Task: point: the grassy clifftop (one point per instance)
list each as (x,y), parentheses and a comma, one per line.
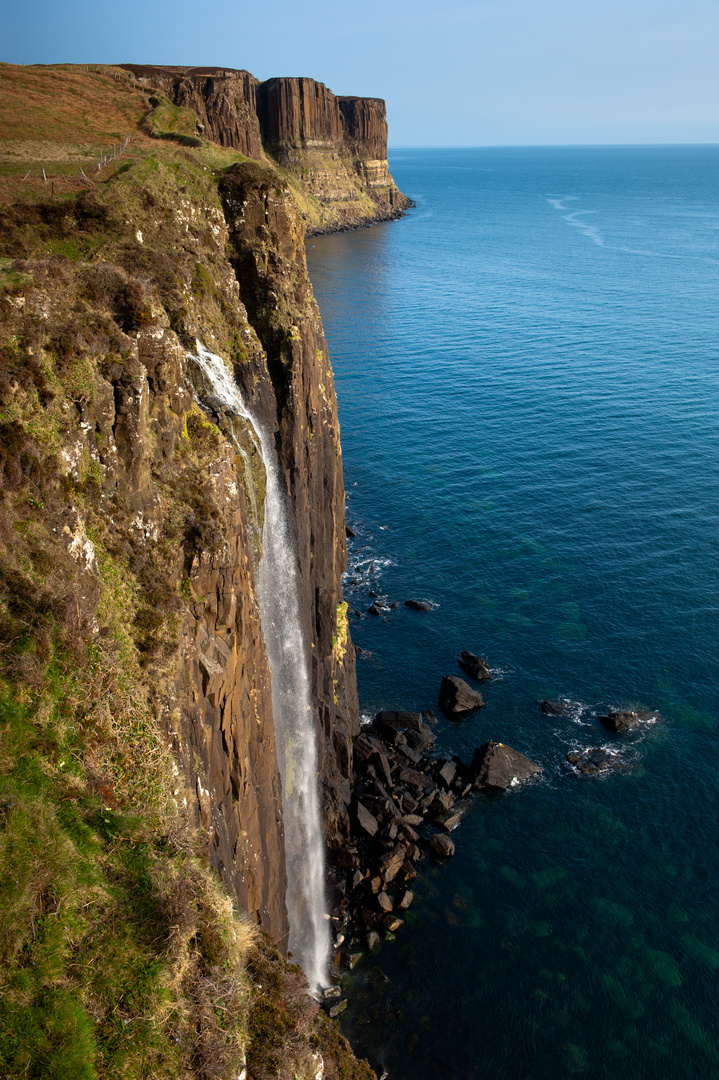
(121,954)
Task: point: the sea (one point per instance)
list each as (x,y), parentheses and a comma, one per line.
(527,368)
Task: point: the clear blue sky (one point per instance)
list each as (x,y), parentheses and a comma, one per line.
(500,72)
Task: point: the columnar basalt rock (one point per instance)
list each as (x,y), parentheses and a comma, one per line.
(225,101)
(334,148)
(268,254)
(299,113)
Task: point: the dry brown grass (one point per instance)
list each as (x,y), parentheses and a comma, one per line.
(67,105)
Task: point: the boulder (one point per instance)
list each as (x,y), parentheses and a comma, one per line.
(405,900)
(366,820)
(412,756)
(447,772)
(442,846)
(413,778)
(419,735)
(623,721)
(418,605)
(397,719)
(445,800)
(558,707)
(391,864)
(374,943)
(384,901)
(392,923)
(476,667)
(498,766)
(457,698)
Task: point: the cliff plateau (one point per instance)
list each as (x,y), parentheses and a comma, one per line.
(137,735)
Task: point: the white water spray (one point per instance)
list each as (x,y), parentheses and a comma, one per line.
(294,721)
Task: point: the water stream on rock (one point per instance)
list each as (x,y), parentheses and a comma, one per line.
(291,702)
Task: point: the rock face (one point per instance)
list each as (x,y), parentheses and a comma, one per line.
(225,101)
(495,765)
(298,400)
(457,698)
(335,148)
(176,507)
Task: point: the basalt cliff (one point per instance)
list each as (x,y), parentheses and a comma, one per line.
(333,150)
(151,217)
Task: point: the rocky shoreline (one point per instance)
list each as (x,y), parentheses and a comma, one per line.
(407,801)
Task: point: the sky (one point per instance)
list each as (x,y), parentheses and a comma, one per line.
(494,73)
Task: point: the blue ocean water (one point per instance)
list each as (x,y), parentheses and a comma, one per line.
(527,368)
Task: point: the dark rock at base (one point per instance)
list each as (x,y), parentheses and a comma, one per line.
(419,735)
(405,900)
(366,820)
(442,846)
(474,666)
(350,533)
(447,772)
(374,943)
(592,761)
(418,605)
(558,707)
(450,822)
(457,698)
(445,801)
(391,864)
(498,766)
(373,609)
(396,719)
(413,778)
(392,923)
(624,721)
(409,754)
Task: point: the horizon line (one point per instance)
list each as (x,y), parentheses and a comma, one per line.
(547,146)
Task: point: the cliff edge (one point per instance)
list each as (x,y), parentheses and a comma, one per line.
(137,737)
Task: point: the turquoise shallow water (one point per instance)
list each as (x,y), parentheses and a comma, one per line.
(527,368)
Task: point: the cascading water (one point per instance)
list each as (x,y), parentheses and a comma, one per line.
(294,721)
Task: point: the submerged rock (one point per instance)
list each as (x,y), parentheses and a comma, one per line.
(442,846)
(593,760)
(622,721)
(418,605)
(557,707)
(456,697)
(498,766)
(476,667)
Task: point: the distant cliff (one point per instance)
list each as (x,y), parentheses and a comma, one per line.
(334,149)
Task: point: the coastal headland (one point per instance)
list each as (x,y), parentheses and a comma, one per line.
(152,218)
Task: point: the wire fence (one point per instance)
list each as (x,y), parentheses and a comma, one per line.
(104,158)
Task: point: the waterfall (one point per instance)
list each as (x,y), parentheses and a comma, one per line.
(295,728)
